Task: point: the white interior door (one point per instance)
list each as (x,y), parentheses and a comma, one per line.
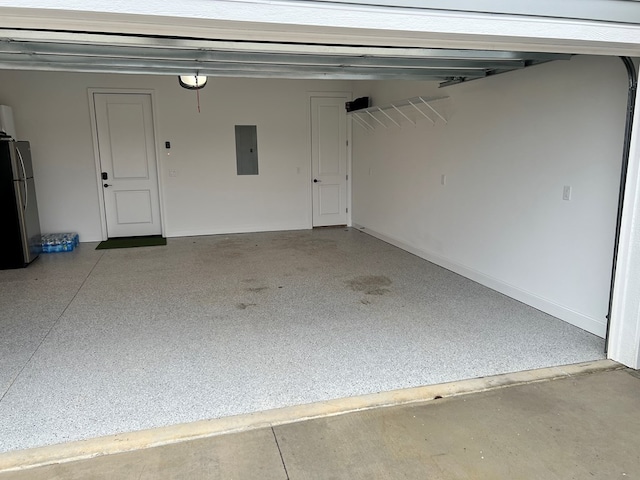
(329,160)
(126,146)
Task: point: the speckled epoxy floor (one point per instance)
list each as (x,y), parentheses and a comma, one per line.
(101,342)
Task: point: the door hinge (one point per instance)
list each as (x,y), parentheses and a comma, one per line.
(347,210)
(347,143)
(347,177)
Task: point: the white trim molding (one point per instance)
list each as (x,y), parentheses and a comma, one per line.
(328,23)
(624,333)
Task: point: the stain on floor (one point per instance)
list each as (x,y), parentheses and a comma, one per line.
(370,284)
(256,289)
(244,306)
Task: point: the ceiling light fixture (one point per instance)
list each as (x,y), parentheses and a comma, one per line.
(192,82)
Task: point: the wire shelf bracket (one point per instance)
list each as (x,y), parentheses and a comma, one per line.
(432,108)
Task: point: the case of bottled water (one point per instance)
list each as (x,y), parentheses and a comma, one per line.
(59,242)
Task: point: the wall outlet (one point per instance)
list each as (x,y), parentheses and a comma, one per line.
(173,173)
(566,193)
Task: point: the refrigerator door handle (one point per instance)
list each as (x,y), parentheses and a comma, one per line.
(24,179)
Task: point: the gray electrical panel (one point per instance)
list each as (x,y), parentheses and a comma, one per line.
(247,149)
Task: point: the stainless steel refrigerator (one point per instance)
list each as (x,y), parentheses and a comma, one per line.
(20,242)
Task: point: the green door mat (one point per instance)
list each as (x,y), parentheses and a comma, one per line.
(129,242)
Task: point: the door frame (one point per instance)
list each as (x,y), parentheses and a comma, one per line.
(96,151)
(348,96)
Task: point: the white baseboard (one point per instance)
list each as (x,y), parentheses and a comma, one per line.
(235,229)
(559,311)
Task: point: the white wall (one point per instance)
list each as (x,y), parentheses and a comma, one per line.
(512,143)
(52,111)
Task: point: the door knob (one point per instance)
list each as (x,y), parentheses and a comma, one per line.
(106,185)
(315,180)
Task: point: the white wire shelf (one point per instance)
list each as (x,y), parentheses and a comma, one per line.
(396,113)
